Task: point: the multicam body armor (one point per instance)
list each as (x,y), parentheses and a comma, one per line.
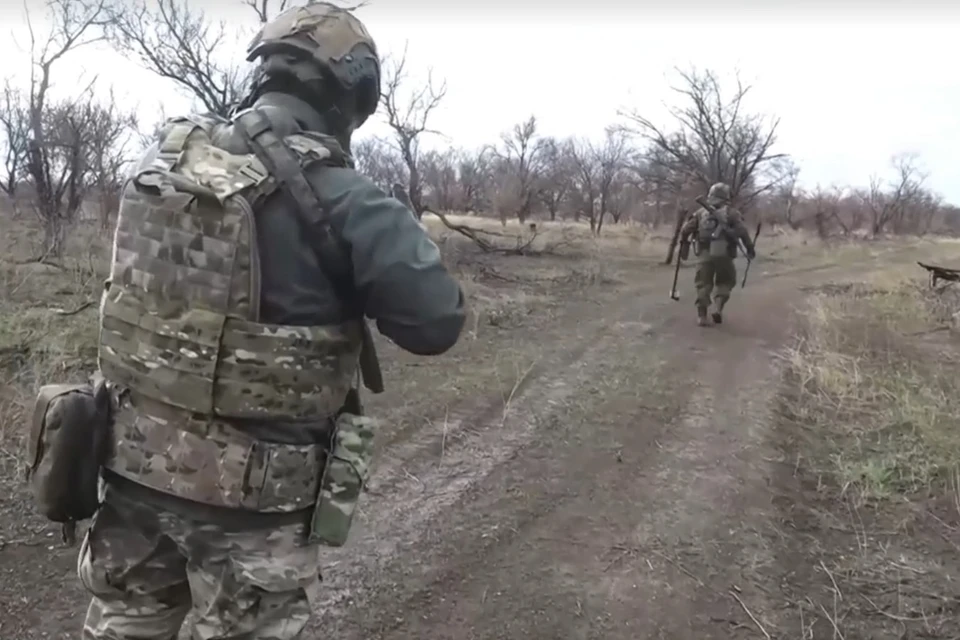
(181,331)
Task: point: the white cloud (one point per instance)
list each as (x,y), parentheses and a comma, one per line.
(850,91)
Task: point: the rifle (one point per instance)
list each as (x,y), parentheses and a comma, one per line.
(756,235)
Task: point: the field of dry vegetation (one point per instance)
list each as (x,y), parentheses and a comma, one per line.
(585,463)
(870,421)
(862,431)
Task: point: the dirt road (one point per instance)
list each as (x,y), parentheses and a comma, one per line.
(615,498)
(615,487)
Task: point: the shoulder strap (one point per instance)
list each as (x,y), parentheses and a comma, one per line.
(284,165)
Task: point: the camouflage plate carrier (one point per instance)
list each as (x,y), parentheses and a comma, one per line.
(181,332)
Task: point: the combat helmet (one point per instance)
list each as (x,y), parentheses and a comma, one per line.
(718,193)
(329,54)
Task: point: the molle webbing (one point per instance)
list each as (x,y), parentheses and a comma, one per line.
(179,321)
(278,156)
(180,330)
(206,363)
(211,462)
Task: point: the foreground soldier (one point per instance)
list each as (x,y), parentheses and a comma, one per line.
(246,254)
(718,230)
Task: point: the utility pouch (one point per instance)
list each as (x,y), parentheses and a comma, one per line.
(69,442)
(345,474)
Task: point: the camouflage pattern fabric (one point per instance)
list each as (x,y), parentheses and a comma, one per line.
(180,315)
(180,329)
(322,30)
(211,462)
(146,569)
(716,277)
(346,472)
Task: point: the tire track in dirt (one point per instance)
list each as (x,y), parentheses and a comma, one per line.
(704,509)
(416,483)
(539,530)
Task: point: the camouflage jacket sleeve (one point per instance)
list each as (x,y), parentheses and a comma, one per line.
(689,227)
(397,269)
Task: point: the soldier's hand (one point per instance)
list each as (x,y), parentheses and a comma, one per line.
(751,253)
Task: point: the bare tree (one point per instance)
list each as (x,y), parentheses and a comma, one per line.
(902,204)
(716,140)
(556,175)
(521,157)
(827,205)
(14,128)
(175,40)
(440,178)
(610,158)
(787,197)
(408,116)
(600,174)
(265,9)
(713,139)
(585,181)
(111,132)
(475,179)
(378,160)
(57,134)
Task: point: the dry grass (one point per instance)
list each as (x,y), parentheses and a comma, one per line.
(874,416)
(879,387)
(48,322)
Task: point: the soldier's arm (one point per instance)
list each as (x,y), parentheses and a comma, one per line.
(743,234)
(396,266)
(689,228)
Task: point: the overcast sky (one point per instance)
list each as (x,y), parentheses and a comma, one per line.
(853,82)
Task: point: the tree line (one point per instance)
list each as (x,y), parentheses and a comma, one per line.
(64,155)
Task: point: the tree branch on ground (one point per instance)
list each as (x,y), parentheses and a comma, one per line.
(485,239)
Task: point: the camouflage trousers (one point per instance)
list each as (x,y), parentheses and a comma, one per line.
(716,277)
(147,569)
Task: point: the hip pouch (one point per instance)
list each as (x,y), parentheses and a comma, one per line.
(345,474)
(69,441)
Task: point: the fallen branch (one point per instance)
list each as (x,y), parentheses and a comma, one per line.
(73,312)
(477,236)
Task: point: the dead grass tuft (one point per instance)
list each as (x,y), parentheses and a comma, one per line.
(48,321)
(871,407)
(881,400)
